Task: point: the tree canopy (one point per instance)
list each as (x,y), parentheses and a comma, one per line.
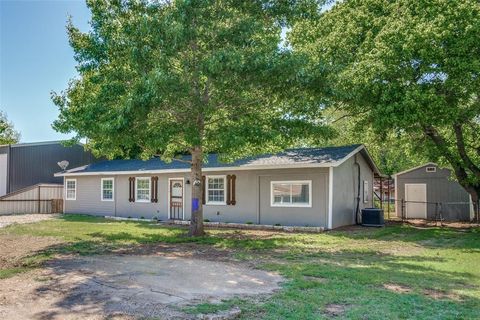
(408,67)
(8,134)
(170,77)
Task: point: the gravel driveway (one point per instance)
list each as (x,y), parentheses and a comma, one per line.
(6,220)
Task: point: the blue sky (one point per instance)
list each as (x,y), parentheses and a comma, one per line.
(35,58)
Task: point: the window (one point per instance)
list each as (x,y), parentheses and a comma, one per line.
(107,189)
(291,193)
(142,187)
(431,169)
(71,189)
(365,191)
(216,190)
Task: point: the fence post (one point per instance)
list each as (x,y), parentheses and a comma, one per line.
(39,202)
(388,197)
(403,210)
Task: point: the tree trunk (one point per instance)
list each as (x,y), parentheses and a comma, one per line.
(196,221)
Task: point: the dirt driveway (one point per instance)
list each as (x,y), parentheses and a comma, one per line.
(99,287)
(6,220)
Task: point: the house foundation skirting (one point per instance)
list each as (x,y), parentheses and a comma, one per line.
(231,225)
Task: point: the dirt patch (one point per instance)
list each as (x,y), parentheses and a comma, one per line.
(335,310)
(424,224)
(441,295)
(398,288)
(98,287)
(13,248)
(6,220)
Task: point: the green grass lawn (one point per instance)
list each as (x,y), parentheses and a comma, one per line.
(397,272)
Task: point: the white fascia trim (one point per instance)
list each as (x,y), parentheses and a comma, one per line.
(239,168)
(330,198)
(417,167)
(354,152)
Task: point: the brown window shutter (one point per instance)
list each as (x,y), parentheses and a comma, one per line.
(232,193)
(154,189)
(203,189)
(131,189)
(228,190)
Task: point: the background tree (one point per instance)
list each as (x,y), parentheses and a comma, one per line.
(172,77)
(392,151)
(8,134)
(406,66)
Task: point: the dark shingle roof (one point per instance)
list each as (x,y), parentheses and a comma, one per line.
(320,156)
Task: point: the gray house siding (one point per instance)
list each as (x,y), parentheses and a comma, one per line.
(330,172)
(440,188)
(252,196)
(316,215)
(345,180)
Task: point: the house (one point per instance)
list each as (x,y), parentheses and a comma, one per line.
(428,191)
(26,164)
(298,187)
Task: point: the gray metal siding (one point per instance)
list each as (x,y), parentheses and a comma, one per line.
(34,164)
(440,188)
(252,196)
(345,179)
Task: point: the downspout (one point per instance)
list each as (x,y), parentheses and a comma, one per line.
(357,207)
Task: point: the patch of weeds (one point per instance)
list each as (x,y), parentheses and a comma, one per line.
(206,220)
(208,308)
(10,272)
(249,222)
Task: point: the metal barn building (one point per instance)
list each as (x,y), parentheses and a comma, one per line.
(26,164)
(429,192)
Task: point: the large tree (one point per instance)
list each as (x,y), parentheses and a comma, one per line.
(406,66)
(8,134)
(172,77)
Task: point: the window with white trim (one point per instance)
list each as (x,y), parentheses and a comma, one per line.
(142,189)
(431,169)
(107,189)
(291,193)
(71,189)
(216,190)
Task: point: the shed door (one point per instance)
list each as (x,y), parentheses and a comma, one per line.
(416,201)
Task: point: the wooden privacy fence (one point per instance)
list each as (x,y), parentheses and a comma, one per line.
(39,198)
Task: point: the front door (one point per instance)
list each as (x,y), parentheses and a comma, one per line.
(176,199)
(416,200)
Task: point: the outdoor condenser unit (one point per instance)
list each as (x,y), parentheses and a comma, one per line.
(372,217)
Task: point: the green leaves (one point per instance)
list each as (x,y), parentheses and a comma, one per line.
(8,134)
(162,77)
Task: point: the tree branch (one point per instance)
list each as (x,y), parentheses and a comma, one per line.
(460,142)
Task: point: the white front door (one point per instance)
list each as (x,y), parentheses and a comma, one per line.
(416,201)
